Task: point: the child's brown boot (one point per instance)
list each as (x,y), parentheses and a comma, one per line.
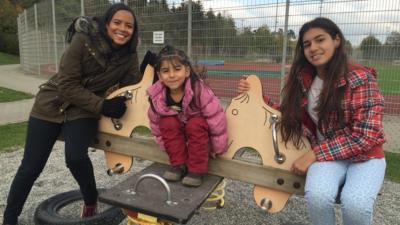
(193,179)
(175,173)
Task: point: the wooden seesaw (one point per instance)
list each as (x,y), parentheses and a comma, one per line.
(251,123)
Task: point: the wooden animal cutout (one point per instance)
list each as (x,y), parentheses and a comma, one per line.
(251,123)
(135,115)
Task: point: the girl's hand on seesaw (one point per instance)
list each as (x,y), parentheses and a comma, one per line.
(301,165)
(243,85)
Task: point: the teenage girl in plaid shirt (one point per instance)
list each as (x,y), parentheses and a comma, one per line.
(338,106)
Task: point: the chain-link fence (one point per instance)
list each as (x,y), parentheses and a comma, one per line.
(230,37)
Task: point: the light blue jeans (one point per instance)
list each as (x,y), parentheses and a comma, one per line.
(362,183)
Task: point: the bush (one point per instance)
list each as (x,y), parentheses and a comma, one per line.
(9,43)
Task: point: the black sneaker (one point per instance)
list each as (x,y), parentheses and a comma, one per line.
(193,179)
(175,173)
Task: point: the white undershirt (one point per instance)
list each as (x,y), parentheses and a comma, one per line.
(313,98)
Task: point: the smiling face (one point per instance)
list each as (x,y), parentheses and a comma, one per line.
(173,74)
(319,47)
(120,28)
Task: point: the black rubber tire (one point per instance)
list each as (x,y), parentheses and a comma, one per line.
(47,213)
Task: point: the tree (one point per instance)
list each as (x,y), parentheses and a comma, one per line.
(8,15)
(371,47)
(392,46)
(393,38)
(278,44)
(263,40)
(348,47)
(74,6)
(24,3)
(8,27)
(244,42)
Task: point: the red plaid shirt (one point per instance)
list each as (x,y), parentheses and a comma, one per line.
(361,138)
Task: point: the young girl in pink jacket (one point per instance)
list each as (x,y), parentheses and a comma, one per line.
(185,117)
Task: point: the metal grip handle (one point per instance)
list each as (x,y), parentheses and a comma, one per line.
(279,157)
(266,204)
(128,94)
(118,169)
(161,180)
(117,123)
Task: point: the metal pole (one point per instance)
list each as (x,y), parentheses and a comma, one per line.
(24,39)
(19,33)
(320,8)
(55,35)
(284,50)
(37,39)
(82,7)
(20,38)
(189,42)
(276,15)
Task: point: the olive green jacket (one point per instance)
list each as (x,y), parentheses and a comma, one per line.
(78,89)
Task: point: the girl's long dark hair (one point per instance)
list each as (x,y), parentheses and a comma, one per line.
(197,72)
(331,96)
(106,19)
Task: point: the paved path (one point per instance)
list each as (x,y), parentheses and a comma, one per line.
(15,112)
(12,76)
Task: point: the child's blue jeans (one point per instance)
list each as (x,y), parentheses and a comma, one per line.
(362,183)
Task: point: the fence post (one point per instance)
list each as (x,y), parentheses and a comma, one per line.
(54,34)
(37,39)
(284,50)
(25,33)
(82,7)
(189,42)
(21,52)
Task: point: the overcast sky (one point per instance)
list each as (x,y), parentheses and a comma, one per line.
(356,18)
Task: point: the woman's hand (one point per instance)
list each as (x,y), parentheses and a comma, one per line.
(114,107)
(243,85)
(300,166)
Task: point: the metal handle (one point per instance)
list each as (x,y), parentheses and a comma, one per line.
(279,157)
(266,204)
(128,94)
(117,123)
(118,169)
(162,181)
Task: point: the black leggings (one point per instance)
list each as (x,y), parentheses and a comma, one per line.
(40,139)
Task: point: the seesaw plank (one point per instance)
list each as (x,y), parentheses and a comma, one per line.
(266,176)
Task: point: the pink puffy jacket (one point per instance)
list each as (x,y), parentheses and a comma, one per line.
(208,106)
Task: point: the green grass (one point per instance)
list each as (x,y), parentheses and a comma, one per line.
(6,59)
(8,95)
(393,166)
(12,136)
(142,131)
(388,78)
